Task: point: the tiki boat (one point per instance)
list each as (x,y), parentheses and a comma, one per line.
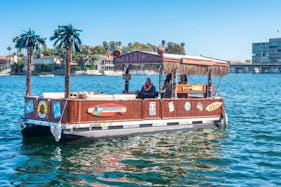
(87,114)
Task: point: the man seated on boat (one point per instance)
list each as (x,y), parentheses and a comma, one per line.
(148,89)
(183,79)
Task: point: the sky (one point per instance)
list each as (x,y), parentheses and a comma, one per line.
(223,29)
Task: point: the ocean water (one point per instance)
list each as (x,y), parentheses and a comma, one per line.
(246,153)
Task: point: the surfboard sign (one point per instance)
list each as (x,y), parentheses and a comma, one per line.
(213,106)
(107,110)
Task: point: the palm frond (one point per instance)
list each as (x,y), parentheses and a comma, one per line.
(29,39)
(67,36)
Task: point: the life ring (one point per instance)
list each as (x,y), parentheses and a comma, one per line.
(45,111)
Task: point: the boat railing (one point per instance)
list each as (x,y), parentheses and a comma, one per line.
(188,90)
(53,95)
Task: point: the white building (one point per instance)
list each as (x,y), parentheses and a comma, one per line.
(105,65)
(44,60)
(50,60)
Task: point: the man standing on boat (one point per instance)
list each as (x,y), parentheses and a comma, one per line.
(167,86)
(148,89)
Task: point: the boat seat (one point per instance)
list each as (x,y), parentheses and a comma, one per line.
(53,95)
(110,97)
(90,96)
(99,97)
(124,97)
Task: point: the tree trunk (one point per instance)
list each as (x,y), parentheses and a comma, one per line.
(67,73)
(29,70)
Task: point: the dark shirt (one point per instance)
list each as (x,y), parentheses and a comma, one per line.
(148,93)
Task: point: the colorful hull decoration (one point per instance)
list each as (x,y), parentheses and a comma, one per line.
(56,110)
(213,106)
(107,110)
(29,107)
(199,106)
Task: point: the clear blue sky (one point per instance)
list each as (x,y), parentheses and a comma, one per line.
(222,29)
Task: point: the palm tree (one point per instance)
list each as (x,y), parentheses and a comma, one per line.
(119,43)
(15,39)
(30,41)
(68,37)
(9,48)
(105,46)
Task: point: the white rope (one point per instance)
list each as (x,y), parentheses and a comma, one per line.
(63,110)
(217,86)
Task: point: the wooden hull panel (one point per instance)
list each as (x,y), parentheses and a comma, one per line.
(83,116)
(188,108)
(52,110)
(85,111)
(106,111)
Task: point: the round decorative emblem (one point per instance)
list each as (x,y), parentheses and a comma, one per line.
(187,106)
(199,106)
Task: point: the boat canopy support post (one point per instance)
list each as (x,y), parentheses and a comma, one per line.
(67,73)
(127,77)
(174,82)
(209,86)
(160,76)
(29,70)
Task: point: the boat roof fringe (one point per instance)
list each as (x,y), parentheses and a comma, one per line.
(195,69)
(183,64)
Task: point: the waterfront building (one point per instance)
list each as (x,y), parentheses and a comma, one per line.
(6,63)
(105,63)
(267,52)
(106,66)
(48,62)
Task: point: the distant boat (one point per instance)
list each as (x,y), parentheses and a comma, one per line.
(4,74)
(256,70)
(87,72)
(112,73)
(47,75)
(93,72)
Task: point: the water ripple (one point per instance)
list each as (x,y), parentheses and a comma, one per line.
(247,153)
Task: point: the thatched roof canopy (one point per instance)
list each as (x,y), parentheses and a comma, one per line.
(184,64)
(138,57)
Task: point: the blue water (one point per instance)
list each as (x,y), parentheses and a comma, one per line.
(247,153)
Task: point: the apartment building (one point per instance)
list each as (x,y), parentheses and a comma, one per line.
(267,52)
